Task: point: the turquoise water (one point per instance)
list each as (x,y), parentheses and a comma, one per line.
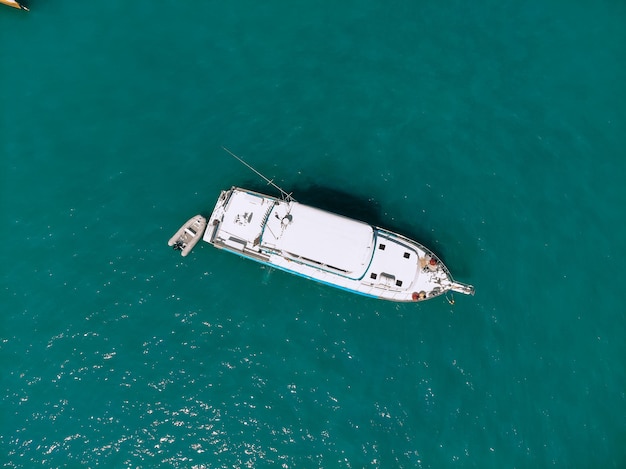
(493,132)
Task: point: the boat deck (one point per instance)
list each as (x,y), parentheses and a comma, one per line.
(242,223)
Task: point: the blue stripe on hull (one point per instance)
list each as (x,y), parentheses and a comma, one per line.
(269,264)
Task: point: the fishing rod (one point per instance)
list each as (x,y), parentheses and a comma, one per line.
(287,196)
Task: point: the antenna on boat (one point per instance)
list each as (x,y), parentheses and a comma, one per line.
(285,195)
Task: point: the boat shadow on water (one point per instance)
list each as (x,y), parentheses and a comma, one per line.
(357,207)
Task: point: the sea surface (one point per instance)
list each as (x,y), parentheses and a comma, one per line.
(494,132)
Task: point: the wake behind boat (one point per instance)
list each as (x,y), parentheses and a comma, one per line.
(14,4)
(320,245)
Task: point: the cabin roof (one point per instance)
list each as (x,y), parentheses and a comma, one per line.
(321,237)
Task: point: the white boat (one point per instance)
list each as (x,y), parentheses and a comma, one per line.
(326,247)
(188,235)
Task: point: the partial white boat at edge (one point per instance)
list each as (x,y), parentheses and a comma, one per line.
(327,247)
(14,4)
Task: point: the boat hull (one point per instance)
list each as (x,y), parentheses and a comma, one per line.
(327,248)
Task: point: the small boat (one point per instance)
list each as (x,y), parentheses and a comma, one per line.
(188,235)
(14,4)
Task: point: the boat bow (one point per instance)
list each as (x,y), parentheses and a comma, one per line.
(462,288)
